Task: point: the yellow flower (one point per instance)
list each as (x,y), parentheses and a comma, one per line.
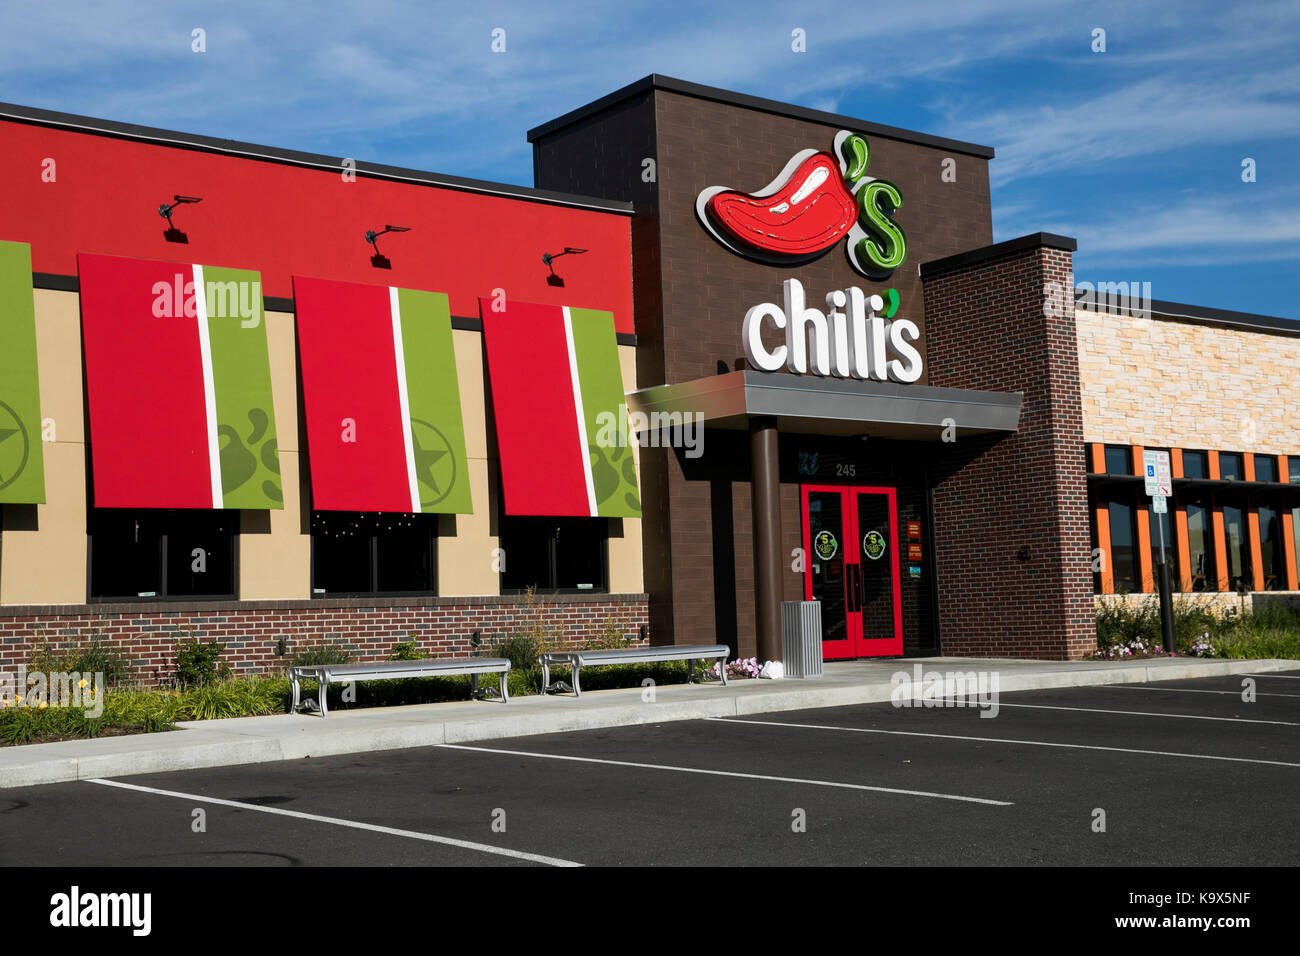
(42,705)
(83,683)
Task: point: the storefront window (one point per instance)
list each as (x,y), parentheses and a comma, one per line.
(1270,548)
(1196,464)
(357,553)
(1161,522)
(1238,556)
(1231,467)
(1200,549)
(161,554)
(554,554)
(1123,553)
(1119,460)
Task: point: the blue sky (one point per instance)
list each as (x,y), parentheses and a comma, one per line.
(1136,151)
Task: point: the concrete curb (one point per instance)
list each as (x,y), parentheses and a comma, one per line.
(246,740)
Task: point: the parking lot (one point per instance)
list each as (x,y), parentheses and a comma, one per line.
(1178,772)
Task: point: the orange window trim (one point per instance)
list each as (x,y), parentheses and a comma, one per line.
(1288,531)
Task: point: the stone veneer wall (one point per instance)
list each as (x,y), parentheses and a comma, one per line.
(1165,383)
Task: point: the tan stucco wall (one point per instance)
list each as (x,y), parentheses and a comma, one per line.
(46,564)
(1162,383)
(274,553)
(625,570)
(466,543)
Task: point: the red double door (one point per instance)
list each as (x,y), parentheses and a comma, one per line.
(850,539)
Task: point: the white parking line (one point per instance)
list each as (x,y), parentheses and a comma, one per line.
(732,773)
(999,740)
(1147,713)
(1193,690)
(353,824)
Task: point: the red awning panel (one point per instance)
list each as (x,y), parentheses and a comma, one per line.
(533,403)
(350,397)
(144,384)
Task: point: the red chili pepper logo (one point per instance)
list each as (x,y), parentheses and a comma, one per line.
(809,212)
(817,200)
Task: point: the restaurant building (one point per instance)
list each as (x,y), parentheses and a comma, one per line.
(727,352)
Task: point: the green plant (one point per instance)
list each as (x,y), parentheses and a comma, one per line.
(199,662)
(407,650)
(320,654)
(95,657)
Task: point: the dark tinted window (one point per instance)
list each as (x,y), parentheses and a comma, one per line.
(1231,467)
(1196,464)
(368,553)
(1265,468)
(162,553)
(554,554)
(1119,460)
(1123,553)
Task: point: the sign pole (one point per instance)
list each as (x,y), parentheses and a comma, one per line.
(1166,596)
(1159,486)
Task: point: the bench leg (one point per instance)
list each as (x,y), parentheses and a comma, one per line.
(546,678)
(297,692)
(722,669)
(577,688)
(690,671)
(322,692)
(473,687)
(505,688)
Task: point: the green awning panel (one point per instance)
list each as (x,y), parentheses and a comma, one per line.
(22,468)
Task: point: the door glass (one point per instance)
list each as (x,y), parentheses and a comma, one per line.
(878,557)
(826,560)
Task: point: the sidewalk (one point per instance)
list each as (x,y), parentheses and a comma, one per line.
(216,743)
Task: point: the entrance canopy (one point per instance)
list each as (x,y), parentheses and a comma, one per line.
(834,406)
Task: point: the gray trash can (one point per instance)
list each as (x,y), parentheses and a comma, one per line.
(801,638)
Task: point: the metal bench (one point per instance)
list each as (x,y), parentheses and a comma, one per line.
(328,674)
(632,655)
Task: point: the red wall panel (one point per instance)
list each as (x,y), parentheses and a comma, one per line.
(282,219)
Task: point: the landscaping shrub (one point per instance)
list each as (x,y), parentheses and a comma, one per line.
(199,662)
(1200,629)
(320,654)
(92,658)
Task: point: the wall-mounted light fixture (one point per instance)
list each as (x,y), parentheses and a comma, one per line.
(548,258)
(377,260)
(172,234)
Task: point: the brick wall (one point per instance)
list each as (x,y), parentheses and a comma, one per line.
(995,496)
(250,629)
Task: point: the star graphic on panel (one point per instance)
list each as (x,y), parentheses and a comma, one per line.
(424,462)
(435,463)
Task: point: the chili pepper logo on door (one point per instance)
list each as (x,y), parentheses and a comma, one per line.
(818,199)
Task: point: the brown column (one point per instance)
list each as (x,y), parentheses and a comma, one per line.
(766,486)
